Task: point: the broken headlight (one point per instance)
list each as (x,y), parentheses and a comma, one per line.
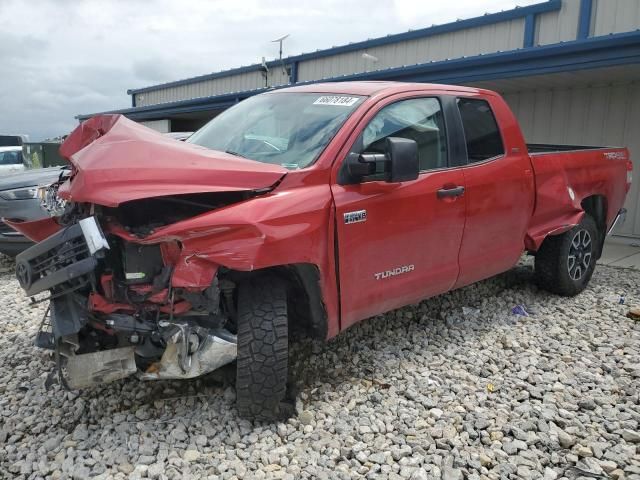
(25,193)
(50,201)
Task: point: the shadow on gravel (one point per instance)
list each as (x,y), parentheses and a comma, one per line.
(461,309)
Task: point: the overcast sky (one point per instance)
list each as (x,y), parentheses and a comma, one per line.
(59,58)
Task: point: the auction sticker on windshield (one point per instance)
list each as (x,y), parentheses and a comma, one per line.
(336,100)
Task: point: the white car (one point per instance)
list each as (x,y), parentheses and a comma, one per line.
(10,160)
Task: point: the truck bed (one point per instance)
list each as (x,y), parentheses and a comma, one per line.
(540,148)
(565,175)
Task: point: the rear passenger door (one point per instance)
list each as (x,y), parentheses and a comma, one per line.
(398,242)
(499,189)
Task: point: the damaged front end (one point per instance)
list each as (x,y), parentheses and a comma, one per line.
(123,299)
(114,311)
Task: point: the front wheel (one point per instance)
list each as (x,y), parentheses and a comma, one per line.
(263,348)
(565,263)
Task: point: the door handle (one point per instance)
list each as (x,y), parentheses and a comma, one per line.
(450,192)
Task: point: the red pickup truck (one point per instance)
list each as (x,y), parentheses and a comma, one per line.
(307,208)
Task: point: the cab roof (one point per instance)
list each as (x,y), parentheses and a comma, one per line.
(368,88)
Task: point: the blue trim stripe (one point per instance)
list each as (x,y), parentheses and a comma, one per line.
(529,30)
(584,22)
(595,52)
(487,19)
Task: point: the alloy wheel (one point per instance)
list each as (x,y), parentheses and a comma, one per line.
(580,254)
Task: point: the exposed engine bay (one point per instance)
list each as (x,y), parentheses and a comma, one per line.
(114,311)
(131,259)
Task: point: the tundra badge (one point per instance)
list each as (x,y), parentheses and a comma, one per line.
(395,271)
(355,217)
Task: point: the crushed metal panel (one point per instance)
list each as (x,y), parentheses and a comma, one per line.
(117,160)
(213,354)
(97,368)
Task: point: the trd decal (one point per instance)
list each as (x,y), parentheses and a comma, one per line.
(615,155)
(355,217)
(394,272)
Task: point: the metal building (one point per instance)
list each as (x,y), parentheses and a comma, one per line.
(570,69)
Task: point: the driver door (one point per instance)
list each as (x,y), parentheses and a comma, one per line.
(398,243)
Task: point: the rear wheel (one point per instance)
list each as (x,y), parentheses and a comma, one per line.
(565,263)
(263,349)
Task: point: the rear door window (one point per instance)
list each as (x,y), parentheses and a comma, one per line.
(481,130)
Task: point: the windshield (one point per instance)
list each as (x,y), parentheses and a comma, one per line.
(11,158)
(288,129)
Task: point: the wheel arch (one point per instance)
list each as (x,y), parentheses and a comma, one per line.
(596,207)
(307,309)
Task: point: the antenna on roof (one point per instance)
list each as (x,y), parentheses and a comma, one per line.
(265,72)
(280,40)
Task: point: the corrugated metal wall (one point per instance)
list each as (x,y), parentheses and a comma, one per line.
(561,26)
(607,115)
(615,16)
(486,39)
(473,41)
(217,86)
(608,16)
(162,126)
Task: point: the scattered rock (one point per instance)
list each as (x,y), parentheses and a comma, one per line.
(631,436)
(400,396)
(566,440)
(449,473)
(617,474)
(436,413)
(191,455)
(583,451)
(306,417)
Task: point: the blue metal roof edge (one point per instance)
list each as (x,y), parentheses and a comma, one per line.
(486,19)
(588,53)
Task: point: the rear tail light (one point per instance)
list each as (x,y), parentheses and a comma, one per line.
(629,172)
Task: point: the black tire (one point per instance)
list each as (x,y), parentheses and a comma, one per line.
(263,348)
(554,269)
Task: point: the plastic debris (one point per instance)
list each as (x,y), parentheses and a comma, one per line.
(490,388)
(520,310)
(621,300)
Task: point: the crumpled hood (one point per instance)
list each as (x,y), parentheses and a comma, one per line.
(117,160)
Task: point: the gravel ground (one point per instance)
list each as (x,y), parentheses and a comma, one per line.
(455,387)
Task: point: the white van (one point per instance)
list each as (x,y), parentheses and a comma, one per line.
(10,160)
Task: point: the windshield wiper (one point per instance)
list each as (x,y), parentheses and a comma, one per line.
(231,152)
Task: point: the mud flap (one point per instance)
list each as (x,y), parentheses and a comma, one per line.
(97,368)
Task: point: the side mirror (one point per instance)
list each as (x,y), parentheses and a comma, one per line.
(360,165)
(399,162)
(403,159)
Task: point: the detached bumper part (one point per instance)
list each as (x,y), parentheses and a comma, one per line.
(97,368)
(61,263)
(217,350)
